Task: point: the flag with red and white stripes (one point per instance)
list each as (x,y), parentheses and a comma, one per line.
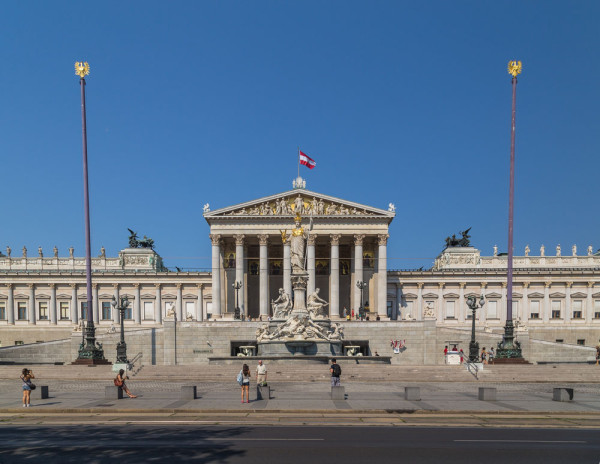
(306,160)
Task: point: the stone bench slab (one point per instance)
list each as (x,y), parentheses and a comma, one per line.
(338,393)
(113,393)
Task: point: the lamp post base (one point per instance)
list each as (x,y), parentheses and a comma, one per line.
(509,349)
(90,352)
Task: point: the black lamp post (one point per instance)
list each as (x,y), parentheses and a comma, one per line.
(121,346)
(361,284)
(474,346)
(236,286)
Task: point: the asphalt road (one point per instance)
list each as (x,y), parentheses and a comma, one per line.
(133,443)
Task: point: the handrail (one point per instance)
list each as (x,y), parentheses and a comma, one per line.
(473,366)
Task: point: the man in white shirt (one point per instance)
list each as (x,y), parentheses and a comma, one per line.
(261,373)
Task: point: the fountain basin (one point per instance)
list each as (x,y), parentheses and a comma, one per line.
(299,348)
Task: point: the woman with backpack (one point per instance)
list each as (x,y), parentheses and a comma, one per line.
(244,381)
(26,376)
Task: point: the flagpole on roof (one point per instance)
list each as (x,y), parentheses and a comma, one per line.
(298,161)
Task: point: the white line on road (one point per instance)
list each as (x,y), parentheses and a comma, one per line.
(522,441)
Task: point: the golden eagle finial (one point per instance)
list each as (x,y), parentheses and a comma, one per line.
(82,69)
(514,68)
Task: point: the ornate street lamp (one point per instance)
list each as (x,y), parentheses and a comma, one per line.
(236,286)
(361,284)
(121,346)
(509,348)
(90,352)
(474,346)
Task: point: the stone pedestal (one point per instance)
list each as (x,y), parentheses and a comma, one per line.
(487,394)
(188,392)
(338,393)
(41,392)
(263,392)
(113,393)
(562,394)
(412,393)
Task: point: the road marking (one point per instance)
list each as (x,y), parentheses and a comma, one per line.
(522,441)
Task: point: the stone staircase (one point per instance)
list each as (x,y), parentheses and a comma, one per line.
(320,373)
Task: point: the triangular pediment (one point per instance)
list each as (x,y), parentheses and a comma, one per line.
(536,295)
(300,200)
(578,295)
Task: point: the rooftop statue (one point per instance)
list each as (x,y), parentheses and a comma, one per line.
(143,243)
(459,242)
(297,245)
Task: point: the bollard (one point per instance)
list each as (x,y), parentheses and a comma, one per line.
(563,394)
(338,393)
(263,392)
(113,393)
(40,393)
(487,394)
(412,393)
(188,392)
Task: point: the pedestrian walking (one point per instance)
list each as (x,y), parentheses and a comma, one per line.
(597,354)
(462,355)
(336,371)
(261,373)
(446,353)
(244,379)
(491,355)
(120,382)
(484,356)
(26,376)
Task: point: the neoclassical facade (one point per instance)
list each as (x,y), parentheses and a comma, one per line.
(555,296)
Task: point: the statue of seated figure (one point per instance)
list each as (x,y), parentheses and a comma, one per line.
(282,305)
(316,305)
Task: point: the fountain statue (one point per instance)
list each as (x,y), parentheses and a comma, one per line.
(299,328)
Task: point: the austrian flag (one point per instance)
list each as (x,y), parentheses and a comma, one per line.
(306,160)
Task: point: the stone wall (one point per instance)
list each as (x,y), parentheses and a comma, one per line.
(49,352)
(11,334)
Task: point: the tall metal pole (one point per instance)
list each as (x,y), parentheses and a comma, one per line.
(508,348)
(89,353)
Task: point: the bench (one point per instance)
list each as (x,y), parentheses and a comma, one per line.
(338,393)
(487,394)
(562,394)
(41,392)
(188,392)
(113,393)
(412,393)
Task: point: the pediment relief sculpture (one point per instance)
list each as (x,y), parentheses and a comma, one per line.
(557,295)
(578,295)
(535,295)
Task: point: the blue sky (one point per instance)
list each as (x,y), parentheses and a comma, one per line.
(196,102)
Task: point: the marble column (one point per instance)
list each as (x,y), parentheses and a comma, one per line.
(334,298)
(32,308)
(419,308)
(525,311)
(239,270)
(397,313)
(589,303)
(481,312)
(96,311)
(74,309)
(358,269)
(263,240)
(546,310)
(158,305)
(310,264)
(200,305)
(179,304)
(10,305)
(382,276)
(216,276)
(115,311)
(441,312)
(568,303)
(53,314)
(287,267)
(461,303)
(137,305)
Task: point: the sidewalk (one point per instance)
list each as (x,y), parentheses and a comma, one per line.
(87,396)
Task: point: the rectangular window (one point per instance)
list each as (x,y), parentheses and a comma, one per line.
(19,342)
(2,312)
(148,310)
(534,307)
(127,314)
(84,310)
(577,309)
(515,309)
(450,309)
(555,309)
(559,340)
(492,309)
(43,310)
(581,341)
(189,309)
(65,314)
(597,309)
(22,311)
(169,308)
(106,311)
